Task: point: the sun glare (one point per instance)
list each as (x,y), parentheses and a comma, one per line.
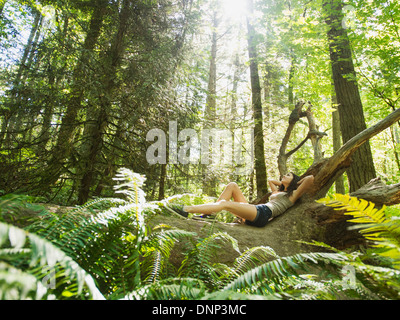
(234,9)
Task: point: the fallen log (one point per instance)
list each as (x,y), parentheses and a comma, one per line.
(379,193)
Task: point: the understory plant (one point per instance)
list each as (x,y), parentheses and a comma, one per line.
(109,249)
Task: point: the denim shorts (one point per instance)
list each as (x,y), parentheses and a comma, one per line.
(263,215)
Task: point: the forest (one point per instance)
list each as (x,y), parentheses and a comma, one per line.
(112,110)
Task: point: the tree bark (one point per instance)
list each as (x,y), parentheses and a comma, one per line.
(313,134)
(96,130)
(336,139)
(350,106)
(13,117)
(379,193)
(210,113)
(63,147)
(295,116)
(327,170)
(259,157)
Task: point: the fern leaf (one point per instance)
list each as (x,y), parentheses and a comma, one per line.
(46,254)
(252,256)
(372,223)
(282,267)
(170,289)
(24,285)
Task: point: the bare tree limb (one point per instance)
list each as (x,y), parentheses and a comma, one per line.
(327,169)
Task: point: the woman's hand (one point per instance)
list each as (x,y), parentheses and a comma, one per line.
(303,186)
(309,178)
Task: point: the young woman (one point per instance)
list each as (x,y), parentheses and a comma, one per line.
(284,195)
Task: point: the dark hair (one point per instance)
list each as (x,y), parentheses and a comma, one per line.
(292,185)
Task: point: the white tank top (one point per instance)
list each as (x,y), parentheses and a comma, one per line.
(279,203)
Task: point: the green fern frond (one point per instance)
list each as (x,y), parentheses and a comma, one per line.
(198,262)
(271,273)
(131,185)
(16,284)
(382,231)
(362,210)
(170,289)
(158,247)
(253,256)
(44,254)
(249,259)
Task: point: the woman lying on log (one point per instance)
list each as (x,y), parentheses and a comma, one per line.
(284,195)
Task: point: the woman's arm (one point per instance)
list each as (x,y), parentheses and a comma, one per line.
(274,185)
(304,186)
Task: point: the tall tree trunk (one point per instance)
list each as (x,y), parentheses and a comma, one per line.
(163,176)
(63,147)
(54,77)
(350,106)
(339,183)
(259,157)
(96,131)
(233,104)
(291,76)
(210,113)
(28,47)
(47,114)
(13,118)
(211,104)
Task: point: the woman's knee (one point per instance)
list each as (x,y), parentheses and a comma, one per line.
(222,204)
(226,205)
(232,185)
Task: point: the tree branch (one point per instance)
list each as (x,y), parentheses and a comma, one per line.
(328,168)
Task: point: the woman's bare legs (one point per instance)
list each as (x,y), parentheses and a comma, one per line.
(232,190)
(239,206)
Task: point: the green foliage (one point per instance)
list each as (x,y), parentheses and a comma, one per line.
(34,256)
(382,231)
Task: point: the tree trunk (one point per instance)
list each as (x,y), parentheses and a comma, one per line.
(313,134)
(13,118)
(95,132)
(291,76)
(163,176)
(259,157)
(210,114)
(295,116)
(63,147)
(233,104)
(350,106)
(336,140)
(327,170)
